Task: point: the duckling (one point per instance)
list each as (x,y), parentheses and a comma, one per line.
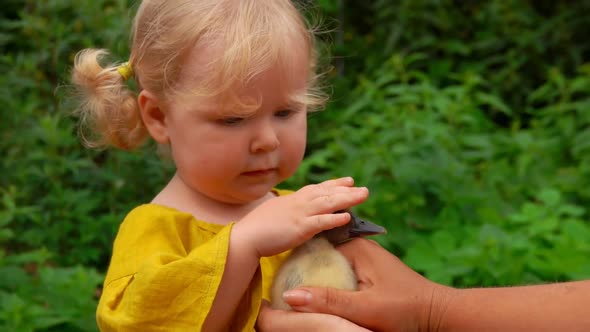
(317,263)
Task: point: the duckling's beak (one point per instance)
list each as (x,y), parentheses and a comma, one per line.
(357,227)
(360,227)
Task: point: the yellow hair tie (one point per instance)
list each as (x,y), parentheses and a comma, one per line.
(125,70)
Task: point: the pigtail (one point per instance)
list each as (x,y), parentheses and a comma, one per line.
(108,109)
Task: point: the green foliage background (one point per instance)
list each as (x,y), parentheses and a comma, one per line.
(468,120)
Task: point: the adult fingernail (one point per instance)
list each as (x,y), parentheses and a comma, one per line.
(297,297)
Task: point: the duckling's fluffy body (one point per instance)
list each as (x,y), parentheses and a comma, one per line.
(314,263)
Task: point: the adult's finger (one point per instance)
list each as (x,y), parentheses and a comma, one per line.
(360,247)
(350,305)
(279,320)
(363,254)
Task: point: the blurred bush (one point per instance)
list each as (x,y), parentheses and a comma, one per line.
(469,123)
(467,120)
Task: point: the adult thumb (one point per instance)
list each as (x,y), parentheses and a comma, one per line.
(324,300)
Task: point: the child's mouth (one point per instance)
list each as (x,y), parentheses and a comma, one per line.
(261,172)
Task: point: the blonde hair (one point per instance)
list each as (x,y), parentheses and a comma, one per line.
(251,35)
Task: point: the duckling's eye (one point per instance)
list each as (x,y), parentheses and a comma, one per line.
(231,121)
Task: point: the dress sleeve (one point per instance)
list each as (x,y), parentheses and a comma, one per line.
(164,275)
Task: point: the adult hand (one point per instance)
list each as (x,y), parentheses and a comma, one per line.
(391,296)
(279,320)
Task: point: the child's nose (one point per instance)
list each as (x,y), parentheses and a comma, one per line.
(265,139)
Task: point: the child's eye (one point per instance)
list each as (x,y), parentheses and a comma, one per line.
(283,113)
(231,121)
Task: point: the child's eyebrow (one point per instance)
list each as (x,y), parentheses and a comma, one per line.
(238,109)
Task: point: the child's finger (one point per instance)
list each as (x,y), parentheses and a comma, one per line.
(322,222)
(326,186)
(340,199)
(344,181)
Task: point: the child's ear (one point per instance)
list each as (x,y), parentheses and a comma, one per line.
(153,116)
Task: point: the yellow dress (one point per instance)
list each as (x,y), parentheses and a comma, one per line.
(165,271)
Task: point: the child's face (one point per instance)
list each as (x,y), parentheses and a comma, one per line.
(240,159)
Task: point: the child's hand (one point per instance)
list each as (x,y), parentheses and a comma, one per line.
(285,222)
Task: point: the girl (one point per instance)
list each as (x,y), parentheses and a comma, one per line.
(226,86)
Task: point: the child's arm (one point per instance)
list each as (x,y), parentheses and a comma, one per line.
(276,226)
(164,273)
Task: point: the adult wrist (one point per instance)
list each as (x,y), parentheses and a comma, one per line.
(436,306)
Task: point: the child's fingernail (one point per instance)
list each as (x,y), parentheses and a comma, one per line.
(297,297)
